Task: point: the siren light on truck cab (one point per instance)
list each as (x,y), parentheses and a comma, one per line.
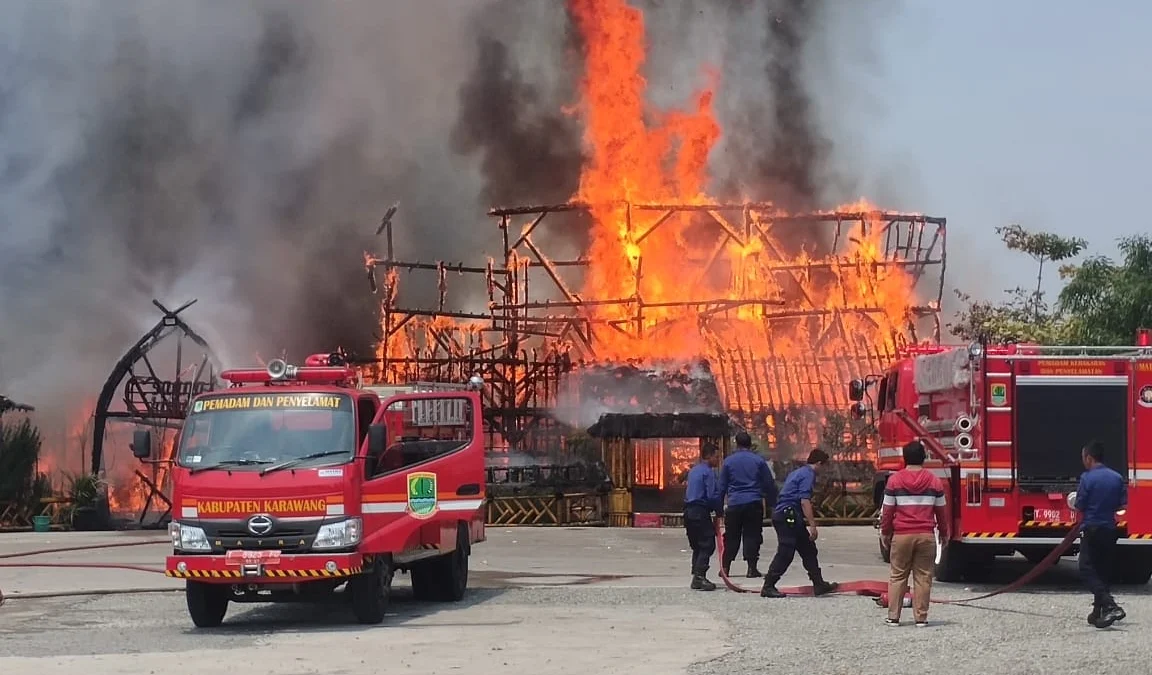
(330,369)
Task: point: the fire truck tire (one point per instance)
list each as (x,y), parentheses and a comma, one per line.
(424,580)
(1035,555)
(953,563)
(444,578)
(454,579)
(207,603)
(1133,568)
(372,592)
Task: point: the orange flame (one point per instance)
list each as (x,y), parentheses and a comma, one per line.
(634,162)
(677,284)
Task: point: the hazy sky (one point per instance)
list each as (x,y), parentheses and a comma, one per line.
(1019,111)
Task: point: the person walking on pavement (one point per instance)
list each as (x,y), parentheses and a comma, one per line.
(914,506)
(747,481)
(1101,494)
(701,500)
(795,525)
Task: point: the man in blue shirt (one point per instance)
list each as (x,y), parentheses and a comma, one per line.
(701,500)
(795,525)
(1101,494)
(747,481)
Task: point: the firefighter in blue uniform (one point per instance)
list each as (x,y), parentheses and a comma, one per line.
(1101,494)
(747,481)
(702,499)
(795,525)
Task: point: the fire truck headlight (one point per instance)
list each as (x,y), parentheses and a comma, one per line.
(339,535)
(1071,500)
(188,538)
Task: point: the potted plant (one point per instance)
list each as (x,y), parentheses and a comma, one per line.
(86,493)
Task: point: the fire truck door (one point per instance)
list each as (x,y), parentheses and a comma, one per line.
(430,475)
(1140,443)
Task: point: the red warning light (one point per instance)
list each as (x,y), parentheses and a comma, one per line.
(1144,337)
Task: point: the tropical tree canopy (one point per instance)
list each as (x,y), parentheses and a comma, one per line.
(1103,302)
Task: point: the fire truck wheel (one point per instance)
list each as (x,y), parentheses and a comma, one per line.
(953,563)
(207,603)
(1133,568)
(455,575)
(372,592)
(444,578)
(1035,555)
(424,580)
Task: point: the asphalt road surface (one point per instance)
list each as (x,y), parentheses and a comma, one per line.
(551,601)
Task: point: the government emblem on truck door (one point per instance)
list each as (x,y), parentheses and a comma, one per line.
(999,395)
(421,494)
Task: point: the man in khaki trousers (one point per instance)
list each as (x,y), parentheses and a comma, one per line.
(914,508)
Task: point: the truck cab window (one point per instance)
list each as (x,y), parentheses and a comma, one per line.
(893,387)
(421,430)
(882,393)
(366,411)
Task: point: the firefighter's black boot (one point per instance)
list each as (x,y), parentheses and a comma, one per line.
(1094,616)
(700,583)
(769,590)
(1109,616)
(753,573)
(821,587)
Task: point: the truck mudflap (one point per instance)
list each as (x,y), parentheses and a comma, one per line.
(265,566)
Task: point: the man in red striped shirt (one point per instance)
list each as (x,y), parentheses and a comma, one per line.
(914,506)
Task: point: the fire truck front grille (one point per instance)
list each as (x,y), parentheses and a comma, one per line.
(280,532)
(289,537)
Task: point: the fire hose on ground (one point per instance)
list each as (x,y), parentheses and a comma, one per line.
(88,565)
(867,588)
(879,589)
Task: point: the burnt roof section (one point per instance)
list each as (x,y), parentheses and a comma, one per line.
(656,387)
(665,425)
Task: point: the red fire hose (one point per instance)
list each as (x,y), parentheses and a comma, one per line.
(70,549)
(879,589)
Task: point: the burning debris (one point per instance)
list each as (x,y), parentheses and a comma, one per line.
(8,405)
(778,309)
(660,387)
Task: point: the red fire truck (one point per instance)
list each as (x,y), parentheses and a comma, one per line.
(1005,426)
(295,481)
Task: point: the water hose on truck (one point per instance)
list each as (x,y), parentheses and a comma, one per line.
(73,549)
(879,589)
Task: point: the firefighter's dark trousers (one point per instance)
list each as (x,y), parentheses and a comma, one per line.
(743,523)
(1097,556)
(701,537)
(793,538)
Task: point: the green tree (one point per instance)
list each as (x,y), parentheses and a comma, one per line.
(1024,316)
(1043,247)
(1106,302)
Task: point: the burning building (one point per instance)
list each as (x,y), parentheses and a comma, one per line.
(774,311)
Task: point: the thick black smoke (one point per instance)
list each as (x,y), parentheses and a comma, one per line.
(238,153)
(514,119)
(530,151)
(797,149)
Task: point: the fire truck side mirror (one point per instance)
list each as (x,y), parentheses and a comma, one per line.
(377,439)
(858,410)
(856,390)
(142,443)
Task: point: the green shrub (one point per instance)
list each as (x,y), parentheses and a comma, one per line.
(19,451)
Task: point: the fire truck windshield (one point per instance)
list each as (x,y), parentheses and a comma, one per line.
(254,431)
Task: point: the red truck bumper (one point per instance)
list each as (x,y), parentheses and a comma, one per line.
(264,567)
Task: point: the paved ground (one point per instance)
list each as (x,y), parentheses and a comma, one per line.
(548,601)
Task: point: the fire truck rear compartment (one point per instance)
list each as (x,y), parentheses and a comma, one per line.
(1055,421)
